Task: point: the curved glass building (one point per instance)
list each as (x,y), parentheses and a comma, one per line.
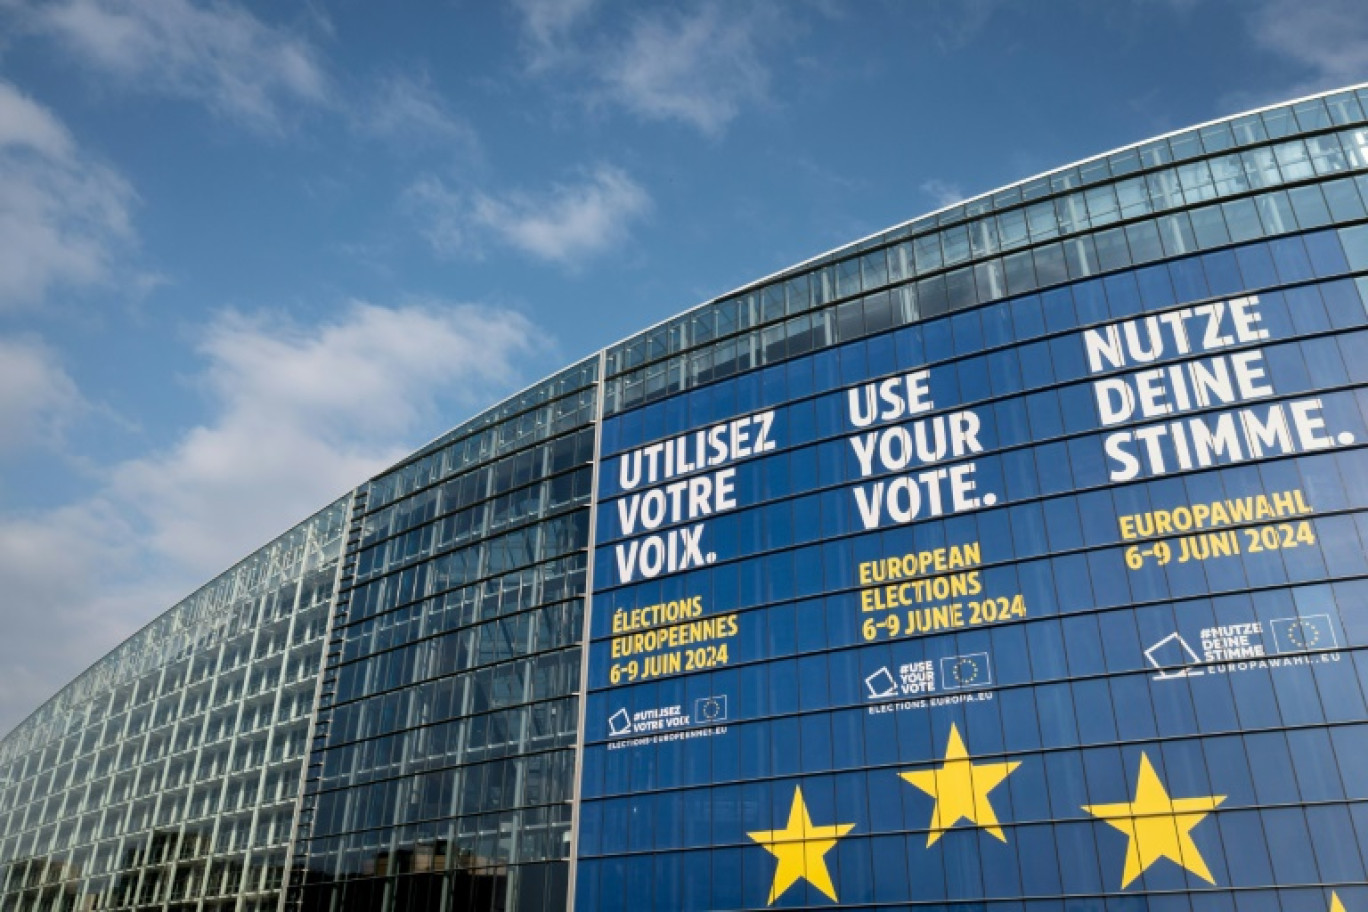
(1010,559)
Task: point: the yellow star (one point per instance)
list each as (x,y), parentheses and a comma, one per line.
(961,789)
(1335,904)
(1158,826)
(799,846)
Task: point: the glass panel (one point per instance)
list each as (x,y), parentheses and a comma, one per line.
(1102,205)
(1071,212)
(983,237)
(1279,122)
(1164,189)
(847,279)
(1209,227)
(1326,155)
(1197,182)
(1228,174)
(1112,252)
(874,269)
(1293,160)
(1248,130)
(1143,239)
(1155,153)
(1261,168)
(901,262)
(1124,162)
(1187,145)
(928,252)
(1040,219)
(1312,114)
(1344,108)
(798,290)
(956,244)
(1050,267)
(1217,138)
(1012,229)
(1176,234)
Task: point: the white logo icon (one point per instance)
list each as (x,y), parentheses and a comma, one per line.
(620,723)
(881,685)
(1173,652)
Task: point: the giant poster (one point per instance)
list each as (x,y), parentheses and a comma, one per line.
(1053,598)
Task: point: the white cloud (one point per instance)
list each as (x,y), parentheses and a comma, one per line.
(60,613)
(37,396)
(25,124)
(566,224)
(1327,37)
(63,215)
(957,24)
(547,26)
(407,111)
(699,67)
(942,193)
(300,415)
(66,584)
(218,54)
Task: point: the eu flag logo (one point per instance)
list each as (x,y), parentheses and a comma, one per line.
(708,710)
(972,670)
(1303,633)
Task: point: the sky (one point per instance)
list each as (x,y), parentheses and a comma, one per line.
(252,253)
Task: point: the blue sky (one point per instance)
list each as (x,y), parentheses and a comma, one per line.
(251,253)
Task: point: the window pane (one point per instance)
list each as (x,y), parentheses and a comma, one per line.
(1209,227)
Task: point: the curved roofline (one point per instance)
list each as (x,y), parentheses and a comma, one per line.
(425,449)
(1082,161)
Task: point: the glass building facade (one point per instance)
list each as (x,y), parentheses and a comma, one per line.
(446,757)
(1011,559)
(167,775)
